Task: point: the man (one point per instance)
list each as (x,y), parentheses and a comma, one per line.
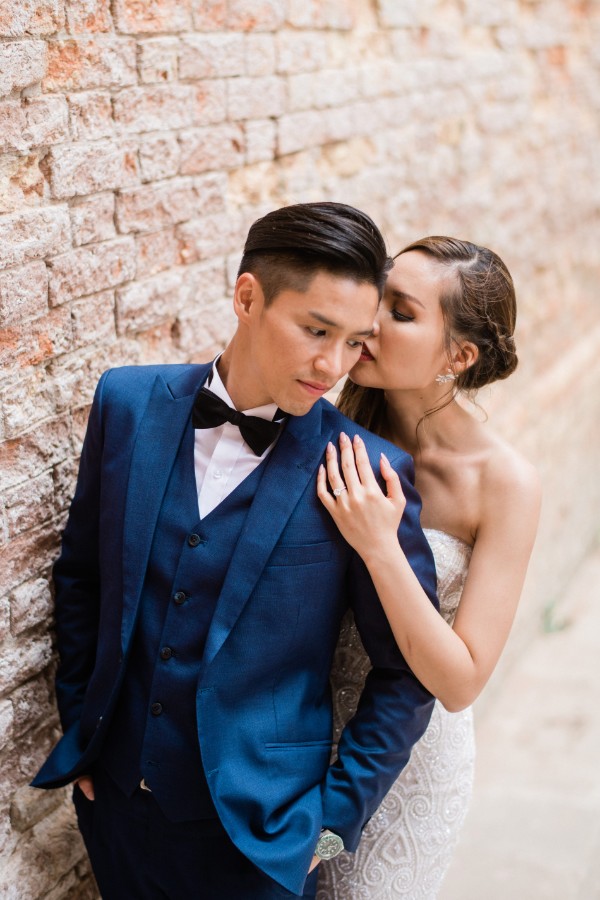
(200,589)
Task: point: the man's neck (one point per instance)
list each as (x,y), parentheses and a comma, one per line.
(234,370)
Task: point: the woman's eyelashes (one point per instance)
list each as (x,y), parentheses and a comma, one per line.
(401,317)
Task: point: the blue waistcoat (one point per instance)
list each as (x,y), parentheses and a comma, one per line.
(154,732)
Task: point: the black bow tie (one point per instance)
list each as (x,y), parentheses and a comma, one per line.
(209,411)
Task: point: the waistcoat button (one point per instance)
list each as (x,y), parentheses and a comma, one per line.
(166,653)
(156,709)
(194,540)
(179,598)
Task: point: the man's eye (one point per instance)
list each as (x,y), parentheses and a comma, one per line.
(354,344)
(317,332)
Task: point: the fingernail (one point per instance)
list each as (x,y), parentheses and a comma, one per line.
(330,447)
(343,438)
(385,459)
(357,439)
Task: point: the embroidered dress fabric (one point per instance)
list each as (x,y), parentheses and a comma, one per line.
(407,846)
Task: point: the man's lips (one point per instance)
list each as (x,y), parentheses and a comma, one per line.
(365,354)
(315,387)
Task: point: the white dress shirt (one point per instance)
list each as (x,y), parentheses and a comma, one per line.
(222,458)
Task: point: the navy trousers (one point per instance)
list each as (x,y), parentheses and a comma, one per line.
(138,854)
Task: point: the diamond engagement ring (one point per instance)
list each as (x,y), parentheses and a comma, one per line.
(339,491)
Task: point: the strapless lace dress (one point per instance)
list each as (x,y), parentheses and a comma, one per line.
(407,845)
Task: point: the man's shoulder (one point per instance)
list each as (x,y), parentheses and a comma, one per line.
(123,380)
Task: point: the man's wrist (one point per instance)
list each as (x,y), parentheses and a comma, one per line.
(329,844)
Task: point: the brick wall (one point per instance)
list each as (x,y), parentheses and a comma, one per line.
(140,139)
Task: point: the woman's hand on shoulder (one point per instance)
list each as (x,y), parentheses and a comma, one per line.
(367,518)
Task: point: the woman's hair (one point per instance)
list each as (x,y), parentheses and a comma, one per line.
(289,246)
(478,305)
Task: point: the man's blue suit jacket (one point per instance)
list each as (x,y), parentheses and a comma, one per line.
(263,701)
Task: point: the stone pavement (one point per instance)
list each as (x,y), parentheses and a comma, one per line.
(533,831)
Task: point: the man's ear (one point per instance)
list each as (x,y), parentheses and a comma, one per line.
(464,355)
(247,296)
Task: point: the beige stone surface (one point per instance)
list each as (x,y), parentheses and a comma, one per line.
(533,830)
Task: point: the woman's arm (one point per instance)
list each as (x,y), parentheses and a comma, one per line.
(454,663)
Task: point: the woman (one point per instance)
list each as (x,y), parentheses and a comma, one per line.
(444,329)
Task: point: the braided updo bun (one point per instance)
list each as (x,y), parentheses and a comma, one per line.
(478,305)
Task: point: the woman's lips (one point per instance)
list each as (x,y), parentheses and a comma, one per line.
(365,354)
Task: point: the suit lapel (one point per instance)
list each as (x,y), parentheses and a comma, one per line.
(289,468)
(156,445)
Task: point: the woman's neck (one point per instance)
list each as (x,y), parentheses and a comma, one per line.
(408,425)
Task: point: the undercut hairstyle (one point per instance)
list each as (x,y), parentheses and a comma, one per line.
(478,302)
(288,247)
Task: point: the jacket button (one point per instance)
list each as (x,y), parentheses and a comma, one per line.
(179,598)
(156,709)
(194,540)
(98,721)
(166,653)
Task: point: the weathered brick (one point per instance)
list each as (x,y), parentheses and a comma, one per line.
(157,59)
(260,140)
(255,98)
(29,807)
(32,122)
(146,303)
(36,341)
(46,445)
(260,54)
(65,479)
(31,603)
(220,147)
(31,698)
(211,55)
(210,102)
(90,269)
(156,206)
(4,620)
(94,319)
(297,131)
(20,561)
(77,169)
(91,115)
(212,235)
(27,400)
(152,16)
(22,63)
(255,15)
(75,376)
(92,219)
(31,17)
(212,192)
(209,15)
(23,293)
(84,63)
(6,722)
(336,14)
(33,234)
(159,156)
(22,182)
(156,251)
(86,16)
(148,108)
(300,51)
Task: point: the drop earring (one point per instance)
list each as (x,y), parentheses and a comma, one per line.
(445,379)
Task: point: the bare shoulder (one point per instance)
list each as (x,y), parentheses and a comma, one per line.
(507,474)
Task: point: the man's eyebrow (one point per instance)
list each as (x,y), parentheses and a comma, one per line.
(325,321)
(402,295)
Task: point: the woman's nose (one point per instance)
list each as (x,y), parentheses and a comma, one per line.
(376,328)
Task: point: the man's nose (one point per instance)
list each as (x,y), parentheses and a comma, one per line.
(330,363)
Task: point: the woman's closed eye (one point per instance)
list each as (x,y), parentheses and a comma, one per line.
(401,317)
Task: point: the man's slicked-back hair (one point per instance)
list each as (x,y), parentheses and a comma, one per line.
(286,248)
